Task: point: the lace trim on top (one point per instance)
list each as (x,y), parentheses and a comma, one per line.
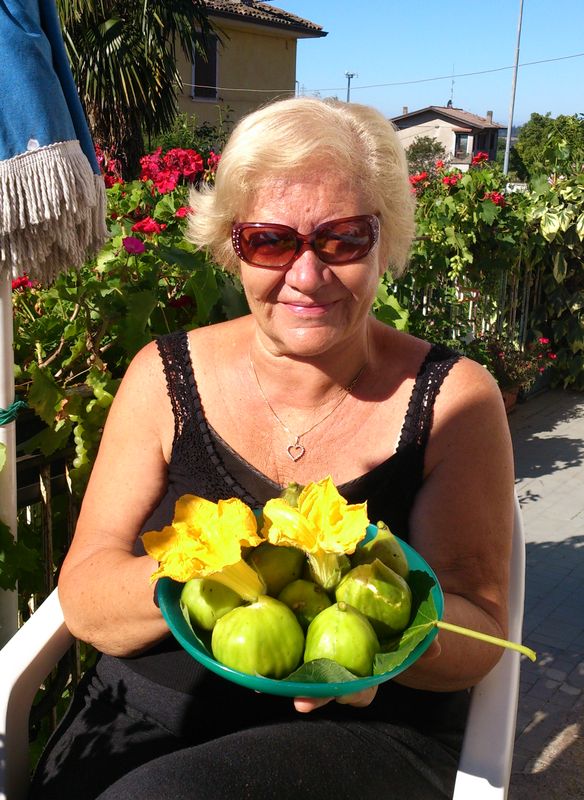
(189,417)
(418,420)
(195,440)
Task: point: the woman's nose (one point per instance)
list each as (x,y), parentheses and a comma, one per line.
(307,272)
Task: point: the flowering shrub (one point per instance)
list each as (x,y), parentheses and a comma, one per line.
(74,339)
(513,367)
(176,165)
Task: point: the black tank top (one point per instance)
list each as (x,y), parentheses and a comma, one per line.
(203,464)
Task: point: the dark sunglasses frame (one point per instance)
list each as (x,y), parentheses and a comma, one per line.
(304,240)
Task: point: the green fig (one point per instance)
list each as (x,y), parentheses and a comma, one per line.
(305,599)
(278,565)
(381,594)
(207,601)
(344,635)
(263,638)
(386,548)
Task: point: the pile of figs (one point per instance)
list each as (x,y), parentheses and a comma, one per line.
(297,620)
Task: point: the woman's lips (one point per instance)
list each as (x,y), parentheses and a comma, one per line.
(308,309)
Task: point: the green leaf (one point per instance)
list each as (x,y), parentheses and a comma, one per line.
(202,287)
(322,670)
(2,455)
(550,224)
(424,618)
(133,331)
(560,266)
(15,559)
(44,394)
(488,212)
(49,440)
(186,259)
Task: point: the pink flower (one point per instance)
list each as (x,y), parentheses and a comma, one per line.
(148,226)
(183,211)
(439,164)
(553,356)
(133,246)
(543,340)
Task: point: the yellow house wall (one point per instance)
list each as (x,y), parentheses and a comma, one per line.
(252,68)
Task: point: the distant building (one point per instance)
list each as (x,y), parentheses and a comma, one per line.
(461,134)
(250,61)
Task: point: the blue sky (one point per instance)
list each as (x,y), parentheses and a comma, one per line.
(390,42)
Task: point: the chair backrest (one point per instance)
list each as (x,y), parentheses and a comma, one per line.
(487,753)
(25,661)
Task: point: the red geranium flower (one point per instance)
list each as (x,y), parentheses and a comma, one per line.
(479,158)
(496,198)
(24,282)
(148,225)
(182,211)
(452,180)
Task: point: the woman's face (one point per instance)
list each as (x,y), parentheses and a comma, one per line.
(310,307)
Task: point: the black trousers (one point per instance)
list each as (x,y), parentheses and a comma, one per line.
(125,737)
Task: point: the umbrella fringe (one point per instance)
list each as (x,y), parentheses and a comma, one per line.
(52,211)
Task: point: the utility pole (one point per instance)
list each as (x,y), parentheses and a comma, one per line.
(348,76)
(513,88)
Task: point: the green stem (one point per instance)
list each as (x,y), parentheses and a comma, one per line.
(484,637)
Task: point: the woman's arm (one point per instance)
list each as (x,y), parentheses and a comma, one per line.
(462,523)
(104,588)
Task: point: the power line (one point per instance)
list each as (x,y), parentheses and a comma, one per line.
(394,83)
(458,75)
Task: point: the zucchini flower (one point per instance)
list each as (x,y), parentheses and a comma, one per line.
(323,524)
(205,541)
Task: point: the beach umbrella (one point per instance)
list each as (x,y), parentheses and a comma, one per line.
(52,198)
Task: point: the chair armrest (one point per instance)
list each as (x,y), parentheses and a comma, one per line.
(487,751)
(491,724)
(25,661)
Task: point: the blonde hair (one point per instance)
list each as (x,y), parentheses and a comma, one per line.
(289,137)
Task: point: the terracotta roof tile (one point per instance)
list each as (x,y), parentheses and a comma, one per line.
(264,13)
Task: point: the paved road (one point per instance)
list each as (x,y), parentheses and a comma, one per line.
(548,442)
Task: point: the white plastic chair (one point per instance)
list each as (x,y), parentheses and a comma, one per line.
(487,752)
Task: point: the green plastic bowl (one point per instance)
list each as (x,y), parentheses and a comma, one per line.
(169,592)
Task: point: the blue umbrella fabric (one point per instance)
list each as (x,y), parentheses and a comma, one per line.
(52,198)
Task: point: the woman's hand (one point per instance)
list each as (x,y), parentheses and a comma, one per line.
(357,699)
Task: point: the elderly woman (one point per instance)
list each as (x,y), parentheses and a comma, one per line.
(310,207)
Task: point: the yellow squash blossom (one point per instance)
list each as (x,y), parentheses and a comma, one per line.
(205,540)
(323,524)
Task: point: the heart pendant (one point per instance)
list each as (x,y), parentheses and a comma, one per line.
(295,451)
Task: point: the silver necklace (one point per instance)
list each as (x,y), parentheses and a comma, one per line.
(295,449)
